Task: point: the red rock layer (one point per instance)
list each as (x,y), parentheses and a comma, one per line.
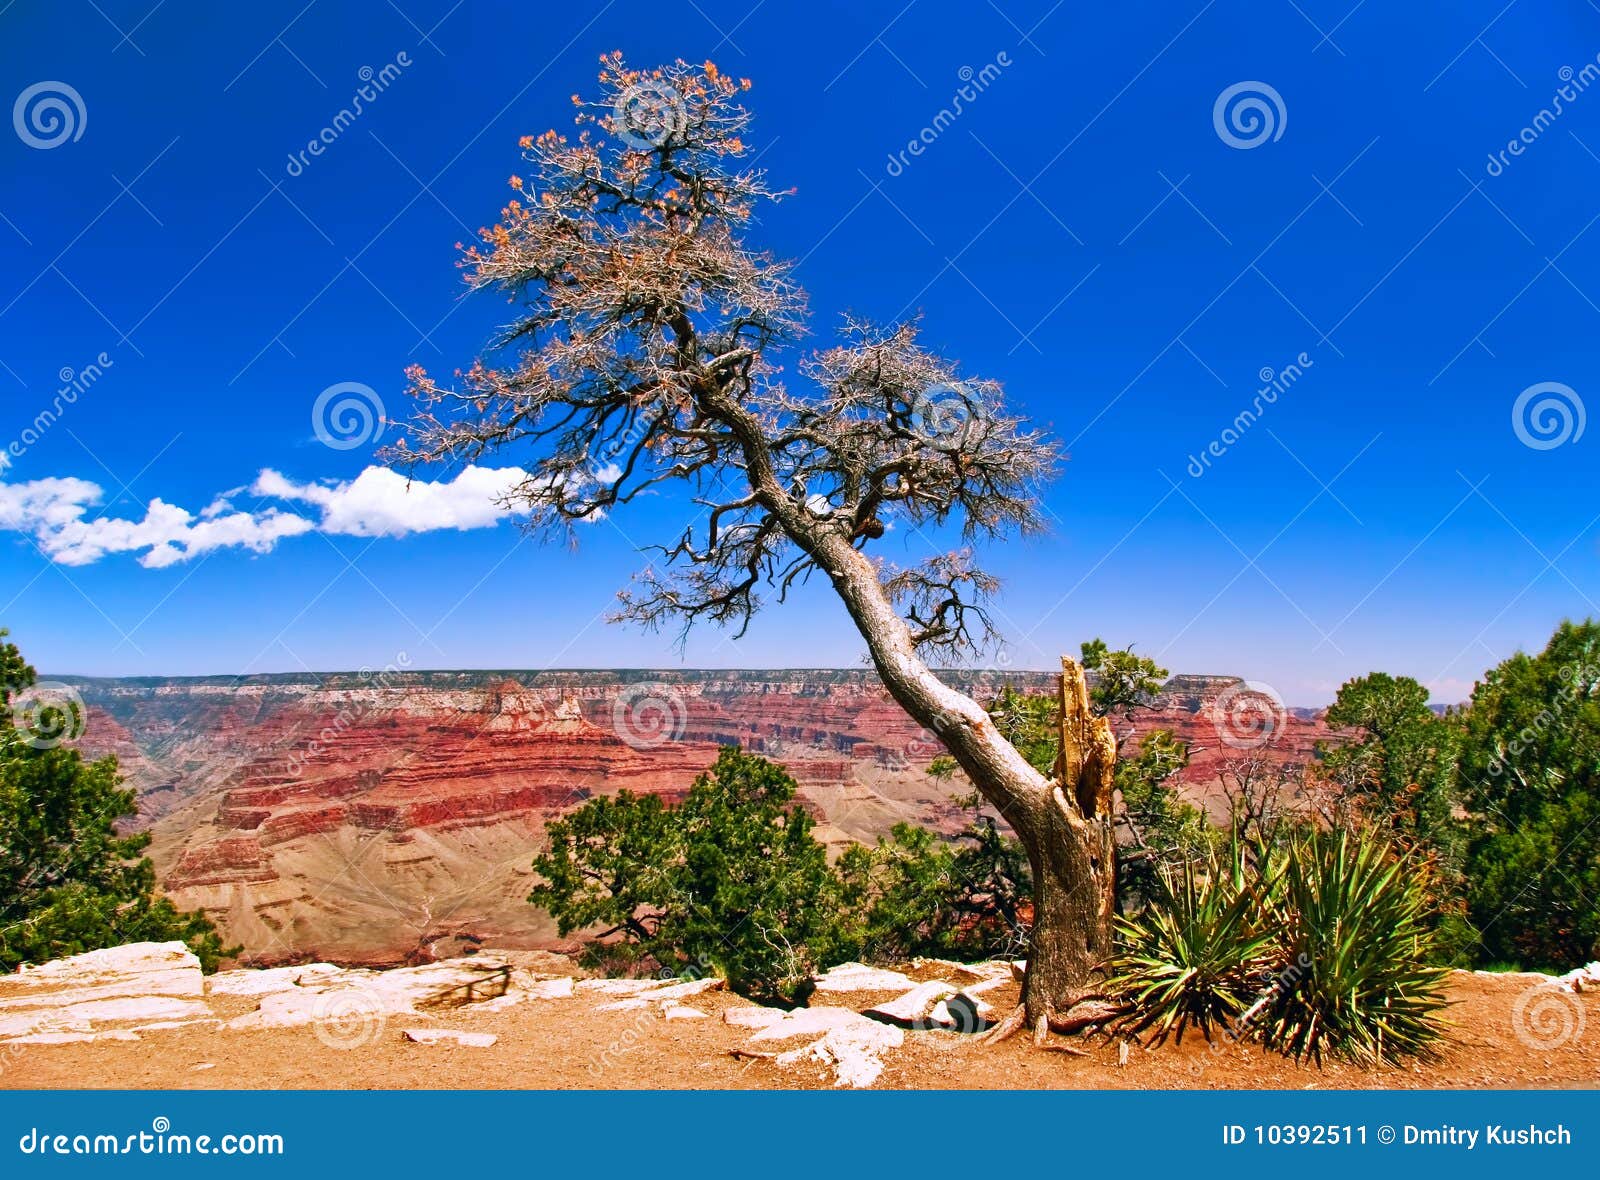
(240,775)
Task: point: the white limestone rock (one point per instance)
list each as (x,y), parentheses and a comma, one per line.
(811,1022)
(858,977)
(936,1004)
(855,1051)
(546,989)
(260,982)
(138,969)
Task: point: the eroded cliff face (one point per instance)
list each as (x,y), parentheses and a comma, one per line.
(393,817)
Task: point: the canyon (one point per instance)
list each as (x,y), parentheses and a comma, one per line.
(391,817)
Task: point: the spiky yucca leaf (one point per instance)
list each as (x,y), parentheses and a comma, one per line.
(1197,955)
(1354,946)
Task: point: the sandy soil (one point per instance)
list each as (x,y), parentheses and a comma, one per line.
(564,1044)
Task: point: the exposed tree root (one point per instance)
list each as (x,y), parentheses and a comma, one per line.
(1007,1028)
(1080,1016)
(1085,1014)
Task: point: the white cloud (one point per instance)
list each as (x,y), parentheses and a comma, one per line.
(380,502)
(56,514)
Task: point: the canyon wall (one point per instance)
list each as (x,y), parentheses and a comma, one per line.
(391,816)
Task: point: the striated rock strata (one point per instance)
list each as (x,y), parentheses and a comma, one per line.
(392,818)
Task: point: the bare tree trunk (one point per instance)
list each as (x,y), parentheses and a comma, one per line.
(1073,856)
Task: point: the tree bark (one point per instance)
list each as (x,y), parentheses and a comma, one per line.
(1073,856)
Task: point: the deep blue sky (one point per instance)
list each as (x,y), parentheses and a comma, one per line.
(1133,320)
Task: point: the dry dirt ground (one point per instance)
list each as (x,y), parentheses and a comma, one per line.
(565,1044)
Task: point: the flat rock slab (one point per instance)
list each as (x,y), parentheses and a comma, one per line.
(136,958)
(992,969)
(436,1036)
(915,1006)
(545,989)
(81,1017)
(935,1004)
(676,1011)
(137,970)
(689,987)
(858,977)
(302,1006)
(1583,979)
(657,992)
(617,987)
(812,1022)
(252,982)
(631,1004)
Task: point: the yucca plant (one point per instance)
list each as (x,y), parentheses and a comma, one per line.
(1197,955)
(1353,944)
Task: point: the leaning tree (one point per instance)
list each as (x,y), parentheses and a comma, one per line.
(645,351)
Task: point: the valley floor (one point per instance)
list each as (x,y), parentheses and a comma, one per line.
(566,1043)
